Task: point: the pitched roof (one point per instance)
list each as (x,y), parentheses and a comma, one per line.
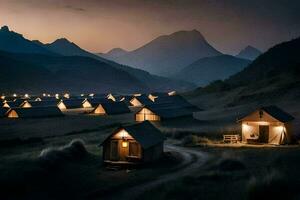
(112,108)
(277,113)
(34,112)
(143,99)
(73,103)
(169,111)
(96,101)
(43,103)
(144,133)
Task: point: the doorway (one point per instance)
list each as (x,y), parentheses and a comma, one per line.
(264,134)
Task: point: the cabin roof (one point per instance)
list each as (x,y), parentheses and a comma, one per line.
(169,111)
(49,111)
(278,113)
(143,99)
(43,103)
(73,103)
(97,101)
(144,133)
(275,112)
(114,107)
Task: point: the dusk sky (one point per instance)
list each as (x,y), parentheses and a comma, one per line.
(99,25)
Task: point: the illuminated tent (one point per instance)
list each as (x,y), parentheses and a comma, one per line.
(70,104)
(93,102)
(159,112)
(140,142)
(140,100)
(111,108)
(34,112)
(267,125)
(12,104)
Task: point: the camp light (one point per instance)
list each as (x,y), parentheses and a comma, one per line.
(124,143)
(14,95)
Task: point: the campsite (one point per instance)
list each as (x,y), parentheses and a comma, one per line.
(143,100)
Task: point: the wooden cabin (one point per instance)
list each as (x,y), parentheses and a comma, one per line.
(142,100)
(111,108)
(34,112)
(137,143)
(267,125)
(29,104)
(159,112)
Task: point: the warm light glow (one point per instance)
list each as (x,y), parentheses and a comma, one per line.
(26,96)
(82,95)
(91,95)
(14,95)
(67,96)
(2,97)
(124,144)
(44,94)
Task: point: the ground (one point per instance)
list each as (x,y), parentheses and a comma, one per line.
(194,172)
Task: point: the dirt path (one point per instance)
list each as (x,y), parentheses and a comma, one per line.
(192,159)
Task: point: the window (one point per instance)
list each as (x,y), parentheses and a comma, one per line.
(133,149)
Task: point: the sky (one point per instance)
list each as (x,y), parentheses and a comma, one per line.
(100,25)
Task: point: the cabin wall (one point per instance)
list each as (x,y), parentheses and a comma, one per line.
(26,105)
(154,153)
(279,133)
(86,104)
(61,106)
(146,114)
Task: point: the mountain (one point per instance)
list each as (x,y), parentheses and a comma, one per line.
(273,78)
(40,73)
(14,42)
(67,48)
(206,70)
(114,53)
(249,53)
(62,48)
(169,54)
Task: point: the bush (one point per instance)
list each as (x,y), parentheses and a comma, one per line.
(189,140)
(271,186)
(72,151)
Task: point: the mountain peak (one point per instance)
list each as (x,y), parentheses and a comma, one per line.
(250,53)
(62,40)
(4,28)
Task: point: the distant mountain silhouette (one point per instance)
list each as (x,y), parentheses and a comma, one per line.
(67,48)
(273,77)
(169,54)
(14,42)
(40,73)
(114,53)
(249,53)
(206,70)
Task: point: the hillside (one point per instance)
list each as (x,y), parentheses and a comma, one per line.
(11,41)
(114,53)
(249,53)
(207,70)
(168,54)
(273,78)
(37,73)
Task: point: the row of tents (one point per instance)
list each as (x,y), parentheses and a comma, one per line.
(153,107)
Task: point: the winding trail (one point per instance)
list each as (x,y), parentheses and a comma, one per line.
(192,159)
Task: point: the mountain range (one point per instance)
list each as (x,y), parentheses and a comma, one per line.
(167,54)
(206,70)
(272,78)
(73,68)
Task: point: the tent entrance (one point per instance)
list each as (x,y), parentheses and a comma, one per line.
(264,134)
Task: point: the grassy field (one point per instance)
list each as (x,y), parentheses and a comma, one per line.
(238,173)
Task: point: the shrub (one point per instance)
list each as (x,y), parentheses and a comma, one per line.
(271,186)
(72,151)
(189,140)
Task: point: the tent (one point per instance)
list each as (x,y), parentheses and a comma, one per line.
(34,112)
(269,125)
(111,108)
